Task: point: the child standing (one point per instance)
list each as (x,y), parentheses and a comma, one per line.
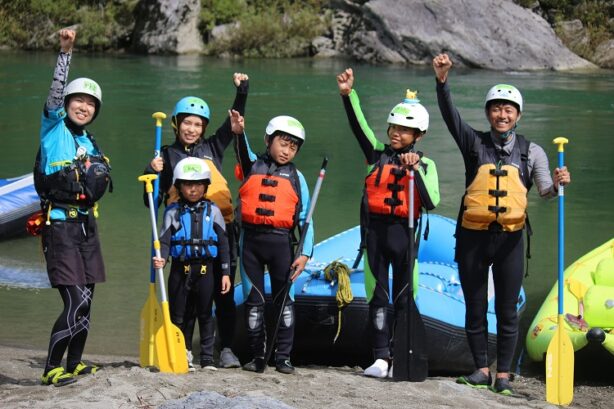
(385,208)
(71,175)
(274,200)
(193,234)
(189,120)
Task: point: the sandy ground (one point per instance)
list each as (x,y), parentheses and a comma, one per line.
(123,384)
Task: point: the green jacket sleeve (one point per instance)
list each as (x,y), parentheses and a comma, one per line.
(427,183)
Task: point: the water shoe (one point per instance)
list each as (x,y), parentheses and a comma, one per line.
(208,364)
(84,369)
(255,365)
(190,361)
(478,380)
(284,366)
(228,359)
(502,387)
(58,377)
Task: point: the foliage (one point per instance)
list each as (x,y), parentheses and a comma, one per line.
(273,28)
(595,15)
(216,12)
(31,24)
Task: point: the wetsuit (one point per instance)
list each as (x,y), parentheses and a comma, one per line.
(70,241)
(384,221)
(210,149)
(194,235)
(274,201)
(497,244)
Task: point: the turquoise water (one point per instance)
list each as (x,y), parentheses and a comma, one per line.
(578,106)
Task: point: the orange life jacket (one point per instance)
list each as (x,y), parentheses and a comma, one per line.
(386,189)
(270,196)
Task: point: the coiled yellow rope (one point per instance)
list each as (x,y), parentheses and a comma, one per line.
(340,272)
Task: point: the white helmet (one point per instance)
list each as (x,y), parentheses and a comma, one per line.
(410,113)
(84,86)
(285,124)
(506,93)
(191,169)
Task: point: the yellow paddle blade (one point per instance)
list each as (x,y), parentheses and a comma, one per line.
(170,345)
(151,320)
(559,367)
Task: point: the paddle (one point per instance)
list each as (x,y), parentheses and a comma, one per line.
(410,355)
(170,344)
(297,254)
(150,313)
(560,353)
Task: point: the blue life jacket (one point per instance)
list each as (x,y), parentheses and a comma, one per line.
(202,243)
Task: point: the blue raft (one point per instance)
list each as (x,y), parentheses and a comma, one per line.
(440,301)
(18,201)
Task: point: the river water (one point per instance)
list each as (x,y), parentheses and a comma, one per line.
(579,106)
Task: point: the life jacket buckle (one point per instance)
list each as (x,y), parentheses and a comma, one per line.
(266,198)
(498,172)
(269,182)
(497,209)
(497,193)
(264,212)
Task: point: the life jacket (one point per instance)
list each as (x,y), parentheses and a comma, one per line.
(195,239)
(218,191)
(81,182)
(270,196)
(497,187)
(386,189)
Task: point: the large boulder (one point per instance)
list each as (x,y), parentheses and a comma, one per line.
(167,26)
(493,34)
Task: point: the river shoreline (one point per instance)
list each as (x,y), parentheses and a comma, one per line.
(121,383)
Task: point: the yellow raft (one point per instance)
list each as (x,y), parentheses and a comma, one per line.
(588,307)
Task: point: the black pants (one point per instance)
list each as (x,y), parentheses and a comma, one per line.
(387,244)
(190,291)
(257,250)
(476,251)
(72,326)
(225,308)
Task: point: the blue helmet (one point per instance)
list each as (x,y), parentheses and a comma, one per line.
(191,106)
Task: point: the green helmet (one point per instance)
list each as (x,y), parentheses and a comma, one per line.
(410,113)
(191,168)
(504,92)
(84,86)
(287,125)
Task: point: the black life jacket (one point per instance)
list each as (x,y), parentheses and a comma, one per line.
(81,183)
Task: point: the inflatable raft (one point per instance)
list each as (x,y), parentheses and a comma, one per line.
(18,201)
(588,310)
(439,299)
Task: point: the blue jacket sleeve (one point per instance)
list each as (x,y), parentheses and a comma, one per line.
(305,203)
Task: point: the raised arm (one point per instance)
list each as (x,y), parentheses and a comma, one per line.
(462,133)
(223,136)
(55,99)
(363,133)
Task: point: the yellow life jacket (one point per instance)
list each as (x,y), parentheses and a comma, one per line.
(218,192)
(495,195)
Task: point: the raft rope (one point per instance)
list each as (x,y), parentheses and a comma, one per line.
(340,272)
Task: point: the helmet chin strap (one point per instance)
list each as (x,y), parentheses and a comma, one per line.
(505,135)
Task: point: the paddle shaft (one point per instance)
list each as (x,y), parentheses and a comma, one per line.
(410,344)
(560,352)
(297,254)
(156,246)
(561,239)
(158,116)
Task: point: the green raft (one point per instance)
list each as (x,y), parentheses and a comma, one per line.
(588,310)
